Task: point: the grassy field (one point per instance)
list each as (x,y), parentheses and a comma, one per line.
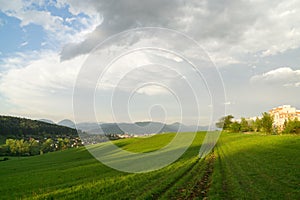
(241,167)
(256,167)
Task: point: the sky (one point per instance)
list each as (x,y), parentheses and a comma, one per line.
(99,60)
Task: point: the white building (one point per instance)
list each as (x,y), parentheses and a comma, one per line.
(284,113)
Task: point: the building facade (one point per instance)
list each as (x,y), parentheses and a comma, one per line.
(282,114)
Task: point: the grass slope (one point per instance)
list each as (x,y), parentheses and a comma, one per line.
(146,144)
(75,174)
(256,167)
(241,167)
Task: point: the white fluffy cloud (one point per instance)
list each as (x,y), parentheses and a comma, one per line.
(232,32)
(283,76)
(57,28)
(44,85)
(77,6)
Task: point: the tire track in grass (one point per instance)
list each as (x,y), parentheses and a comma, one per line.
(157,195)
(182,187)
(195,183)
(200,190)
(167,185)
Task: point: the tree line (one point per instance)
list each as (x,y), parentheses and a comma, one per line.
(21,147)
(26,137)
(263,124)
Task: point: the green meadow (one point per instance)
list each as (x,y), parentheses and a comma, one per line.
(242,166)
(256,167)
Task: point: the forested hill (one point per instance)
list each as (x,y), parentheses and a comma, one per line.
(24,128)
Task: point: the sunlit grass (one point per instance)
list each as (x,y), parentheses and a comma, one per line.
(257,167)
(247,166)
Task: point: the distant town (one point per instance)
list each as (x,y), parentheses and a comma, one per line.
(22,137)
(278,120)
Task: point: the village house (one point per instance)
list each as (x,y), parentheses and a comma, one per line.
(284,113)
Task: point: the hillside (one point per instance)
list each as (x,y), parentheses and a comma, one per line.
(67,123)
(241,167)
(15,127)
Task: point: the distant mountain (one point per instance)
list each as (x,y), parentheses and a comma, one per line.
(180,127)
(67,123)
(25,128)
(47,121)
(185,128)
(16,127)
(146,127)
(88,126)
(120,128)
(136,128)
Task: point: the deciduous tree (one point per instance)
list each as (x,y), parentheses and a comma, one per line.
(244,125)
(292,127)
(267,123)
(225,122)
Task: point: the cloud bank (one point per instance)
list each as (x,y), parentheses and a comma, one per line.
(237,35)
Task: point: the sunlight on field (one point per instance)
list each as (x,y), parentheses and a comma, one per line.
(241,167)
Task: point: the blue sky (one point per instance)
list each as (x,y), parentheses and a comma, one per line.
(44,45)
(34,36)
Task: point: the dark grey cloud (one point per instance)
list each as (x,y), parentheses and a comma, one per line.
(119,16)
(223,21)
(224,28)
